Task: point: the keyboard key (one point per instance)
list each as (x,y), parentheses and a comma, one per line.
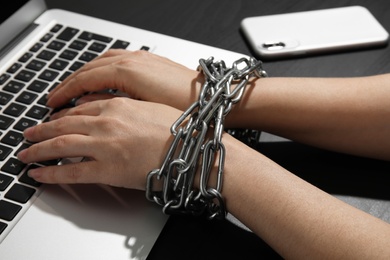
(78,45)
(3,226)
(14,68)
(38,86)
(36,65)
(59,64)
(25,57)
(25,75)
(37,112)
(13,86)
(5,122)
(48,75)
(4,152)
(98,47)
(22,147)
(69,54)
(56,28)
(65,75)
(36,47)
(26,97)
(46,37)
(5,181)
(88,56)
(50,162)
(53,86)
(30,181)
(5,98)
(20,193)
(12,138)
(8,210)
(93,36)
(67,34)
(56,45)
(46,55)
(13,166)
(24,123)
(76,65)
(118,44)
(42,101)
(4,78)
(14,109)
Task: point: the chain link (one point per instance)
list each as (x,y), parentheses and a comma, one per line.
(193,150)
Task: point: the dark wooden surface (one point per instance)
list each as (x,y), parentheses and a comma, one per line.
(360,182)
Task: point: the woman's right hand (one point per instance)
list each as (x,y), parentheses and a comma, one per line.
(121,138)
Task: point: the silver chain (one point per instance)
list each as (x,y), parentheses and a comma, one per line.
(192,149)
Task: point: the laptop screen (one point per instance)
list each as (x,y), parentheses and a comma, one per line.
(12,7)
(18,15)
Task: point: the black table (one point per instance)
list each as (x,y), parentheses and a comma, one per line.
(360,182)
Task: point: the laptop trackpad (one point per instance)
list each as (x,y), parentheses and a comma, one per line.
(113,222)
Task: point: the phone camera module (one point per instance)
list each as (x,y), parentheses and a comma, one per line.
(273,46)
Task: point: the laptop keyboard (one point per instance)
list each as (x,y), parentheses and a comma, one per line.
(23,90)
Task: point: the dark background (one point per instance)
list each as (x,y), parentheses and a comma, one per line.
(360,182)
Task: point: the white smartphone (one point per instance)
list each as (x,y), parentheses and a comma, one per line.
(312,32)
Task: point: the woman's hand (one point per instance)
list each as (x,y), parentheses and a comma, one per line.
(122,139)
(140,74)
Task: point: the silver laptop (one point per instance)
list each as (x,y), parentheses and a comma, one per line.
(39,48)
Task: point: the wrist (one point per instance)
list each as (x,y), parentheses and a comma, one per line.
(248,112)
(197,152)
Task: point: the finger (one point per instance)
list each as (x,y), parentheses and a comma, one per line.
(84,106)
(81,172)
(102,73)
(95,79)
(93,97)
(58,113)
(62,126)
(67,146)
(93,107)
(108,57)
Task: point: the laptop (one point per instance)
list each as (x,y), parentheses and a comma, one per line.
(38,49)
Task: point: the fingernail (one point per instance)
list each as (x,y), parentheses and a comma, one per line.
(54,116)
(80,101)
(34,173)
(21,155)
(48,100)
(28,132)
(50,94)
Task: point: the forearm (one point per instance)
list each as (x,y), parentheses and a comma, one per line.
(347,115)
(295,218)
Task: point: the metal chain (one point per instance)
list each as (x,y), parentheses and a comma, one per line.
(192,149)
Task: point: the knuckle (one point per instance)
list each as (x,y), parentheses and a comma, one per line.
(113,104)
(76,79)
(133,58)
(48,174)
(106,124)
(58,174)
(78,110)
(141,53)
(74,173)
(36,135)
(59,124)
(59,143)
(116,102)
(110,53)
(29,153)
